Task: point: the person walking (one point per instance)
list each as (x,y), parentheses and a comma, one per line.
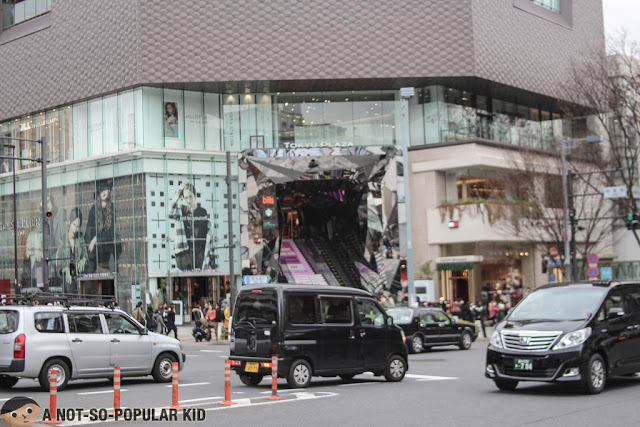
(161,327)
(225,319)
(478,315)
(138,314)
(171,321)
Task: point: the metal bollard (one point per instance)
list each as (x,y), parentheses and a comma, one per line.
(174,382)
(53,397)
(274,379)
(227,384)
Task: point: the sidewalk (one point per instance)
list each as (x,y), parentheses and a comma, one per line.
(184,334)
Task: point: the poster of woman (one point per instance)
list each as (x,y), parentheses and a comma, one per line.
(171,122)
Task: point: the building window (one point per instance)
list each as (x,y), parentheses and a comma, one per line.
(15,12)
(553,5)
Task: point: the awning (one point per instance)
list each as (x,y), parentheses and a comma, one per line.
(451,266)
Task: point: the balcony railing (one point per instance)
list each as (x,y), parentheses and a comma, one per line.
(17,12)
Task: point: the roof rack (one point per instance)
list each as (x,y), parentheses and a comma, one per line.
(67,300)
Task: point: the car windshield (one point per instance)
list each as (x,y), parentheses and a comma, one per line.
(257,308)
(400,315)
(559,303)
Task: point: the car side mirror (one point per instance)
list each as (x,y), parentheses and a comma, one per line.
(143,331)
(389,320)
(615,312)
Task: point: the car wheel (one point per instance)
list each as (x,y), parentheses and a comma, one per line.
(299,374)
(346,377)
(163,368)
(417,344)
(595,374)
(506,385)
(250,379)
(6,382)
(465,341)
(396,368)
(63,374)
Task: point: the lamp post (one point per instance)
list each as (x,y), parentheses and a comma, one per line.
(407,93)
(568,209)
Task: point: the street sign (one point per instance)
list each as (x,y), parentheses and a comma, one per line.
(620,192)
(617,192)
(606,273)
(593,258)
(593,272)
(255,280)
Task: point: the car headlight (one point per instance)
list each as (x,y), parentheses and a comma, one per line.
(573,339)
(495,339)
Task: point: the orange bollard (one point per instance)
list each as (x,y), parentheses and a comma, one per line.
(174,382)
(274,379)
(116,390)
(53,397)
(227,384)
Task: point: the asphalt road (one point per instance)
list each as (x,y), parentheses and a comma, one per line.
(443,387)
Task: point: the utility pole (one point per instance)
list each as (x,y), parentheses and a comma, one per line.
(232,279)
(406,93)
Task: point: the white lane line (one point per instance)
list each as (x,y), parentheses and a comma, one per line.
(211,351)
(429,377)
(188,385)
(99,392)
(200,399)
(352,384)
(293,390)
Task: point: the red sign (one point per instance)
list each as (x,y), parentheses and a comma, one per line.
(593,272)
(553,251)
(5,286)
(593,258)
(267,200)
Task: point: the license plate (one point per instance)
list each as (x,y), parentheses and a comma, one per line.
(251,367)
(523,364)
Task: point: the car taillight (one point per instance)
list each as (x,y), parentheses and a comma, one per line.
(18,347)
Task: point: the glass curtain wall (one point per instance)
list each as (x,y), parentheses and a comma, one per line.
(455,115)
(98,222)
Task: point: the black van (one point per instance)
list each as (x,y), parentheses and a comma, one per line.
(569,332)
(315,331)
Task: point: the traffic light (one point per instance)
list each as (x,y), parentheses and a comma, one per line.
(633,221)
(544,265)
(72,269)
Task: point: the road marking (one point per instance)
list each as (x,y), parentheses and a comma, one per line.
(188,385)
(429,377)
(99,392)
(200,399)
(211,351)
(282,391)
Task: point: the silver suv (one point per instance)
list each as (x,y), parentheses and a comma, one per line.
(80,342)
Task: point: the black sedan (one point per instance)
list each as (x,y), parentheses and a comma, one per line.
(427,327)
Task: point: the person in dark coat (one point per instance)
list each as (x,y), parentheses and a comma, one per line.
(171,321)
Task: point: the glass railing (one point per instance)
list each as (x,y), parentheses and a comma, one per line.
(553,5)
(15,12)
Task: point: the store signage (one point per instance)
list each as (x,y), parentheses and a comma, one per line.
(606,273)
(268,224)
(462,258)
(321,144)
(268,200)
(22,223)
(268,212)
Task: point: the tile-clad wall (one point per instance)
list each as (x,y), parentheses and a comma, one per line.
(95,47)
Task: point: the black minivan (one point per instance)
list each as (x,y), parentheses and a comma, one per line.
(314,331)
(569,332)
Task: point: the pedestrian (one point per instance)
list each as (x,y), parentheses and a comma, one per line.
(161,327)
(196,313)
(443,304)
(138,314)
(219,319)
(171,321)
(225,320)
(465,312)
(210,317)
(478,314)
(151,322)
